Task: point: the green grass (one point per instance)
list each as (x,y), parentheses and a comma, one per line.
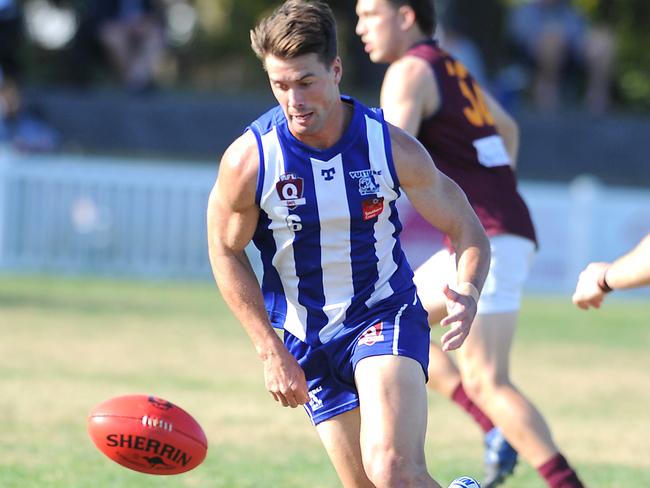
(66,345)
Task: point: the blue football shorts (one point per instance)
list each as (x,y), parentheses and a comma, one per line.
(397,326)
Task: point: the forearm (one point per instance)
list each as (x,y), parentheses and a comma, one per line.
(240,290)
(472,258)
(631,270)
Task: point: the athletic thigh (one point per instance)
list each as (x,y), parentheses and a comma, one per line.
(393,406)
(486,351)
(485,354)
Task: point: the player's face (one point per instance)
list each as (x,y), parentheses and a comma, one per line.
(307,90)
(378,26)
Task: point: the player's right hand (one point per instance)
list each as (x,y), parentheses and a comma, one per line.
(461,310)
(285,379)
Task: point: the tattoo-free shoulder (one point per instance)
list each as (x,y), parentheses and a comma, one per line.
(412,161)
(238,170)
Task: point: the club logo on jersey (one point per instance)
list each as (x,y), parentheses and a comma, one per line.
(328,174)
(372,335)
(290,189)
(367,183)
(372,207)
(314,402)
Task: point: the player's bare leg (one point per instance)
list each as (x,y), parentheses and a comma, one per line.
(393,411)
(484,365)
(444,376)
(340,436)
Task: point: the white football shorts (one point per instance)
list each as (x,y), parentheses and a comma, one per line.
(512,257)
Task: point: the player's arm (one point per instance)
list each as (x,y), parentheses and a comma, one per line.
(628,271)
(409,93)
(633,269)
(232,218)
(506,127)
(444,205)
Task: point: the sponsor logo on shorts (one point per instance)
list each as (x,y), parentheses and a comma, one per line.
(372,335)
(314,402)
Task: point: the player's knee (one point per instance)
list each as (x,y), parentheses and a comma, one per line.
(483,385)
(477,384)
(386,468)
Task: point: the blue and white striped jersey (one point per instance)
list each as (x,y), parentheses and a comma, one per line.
(328,231)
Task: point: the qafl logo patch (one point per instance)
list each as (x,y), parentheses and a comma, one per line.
(290,190)
(372,335)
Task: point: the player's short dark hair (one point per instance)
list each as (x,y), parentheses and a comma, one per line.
(295,28)
(425,13)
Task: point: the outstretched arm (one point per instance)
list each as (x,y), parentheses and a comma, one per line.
(629,271)
(232,217)
(444,205)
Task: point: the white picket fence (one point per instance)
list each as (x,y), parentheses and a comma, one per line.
(121,217)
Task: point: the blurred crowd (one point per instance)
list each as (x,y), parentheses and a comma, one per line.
(548,48)
(544,53)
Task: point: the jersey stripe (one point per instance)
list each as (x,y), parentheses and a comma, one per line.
(283,259)
(396,329)
(329,182)
(384,227)
(307,247)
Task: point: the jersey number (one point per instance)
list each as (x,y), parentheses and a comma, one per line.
(477,113)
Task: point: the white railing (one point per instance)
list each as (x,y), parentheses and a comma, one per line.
(104,216)
(120,217)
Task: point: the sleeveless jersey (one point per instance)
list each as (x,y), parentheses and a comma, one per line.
(328,231)
(465,145)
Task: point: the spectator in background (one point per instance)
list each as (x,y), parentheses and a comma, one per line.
(131,33)
(20,127)
(552,35)
(472,32)
(629,271)
(10,37)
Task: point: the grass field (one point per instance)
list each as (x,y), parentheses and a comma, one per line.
(66,345)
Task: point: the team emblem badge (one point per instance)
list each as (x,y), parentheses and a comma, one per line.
(367,183)
(290,188)
(372,335)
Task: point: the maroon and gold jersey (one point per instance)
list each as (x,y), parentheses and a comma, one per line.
(465,145)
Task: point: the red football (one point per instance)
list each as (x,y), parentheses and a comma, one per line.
(147,434)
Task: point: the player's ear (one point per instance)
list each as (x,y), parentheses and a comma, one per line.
(337,69)
(406,16)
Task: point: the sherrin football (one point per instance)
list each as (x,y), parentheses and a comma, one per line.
(147,434)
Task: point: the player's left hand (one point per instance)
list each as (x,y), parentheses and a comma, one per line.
(461,310)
